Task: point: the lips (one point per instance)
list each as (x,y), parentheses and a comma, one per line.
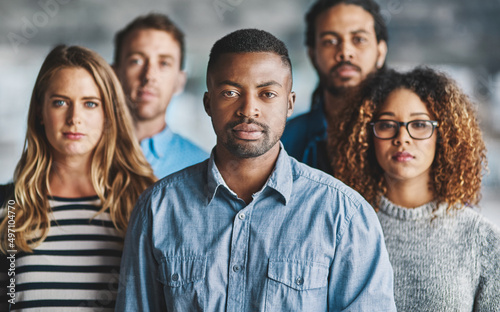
(146,95)
(347,70)
(73,135)
(402,157)
(246,131)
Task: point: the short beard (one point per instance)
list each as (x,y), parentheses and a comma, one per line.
(252,149)
(339,91)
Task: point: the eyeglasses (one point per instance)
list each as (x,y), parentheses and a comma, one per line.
(417,129)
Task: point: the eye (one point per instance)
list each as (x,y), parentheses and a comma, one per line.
(165,64)
(269,95)
(329,42)
(420,124)
(91,104)
(359,39)
(229,93)
(135,61)
(385,125)
(58,103)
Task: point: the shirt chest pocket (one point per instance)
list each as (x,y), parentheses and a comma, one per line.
(294,285)
(183,280)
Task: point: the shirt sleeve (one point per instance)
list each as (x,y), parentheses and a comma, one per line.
(361,276)
(139,289)
(487,294)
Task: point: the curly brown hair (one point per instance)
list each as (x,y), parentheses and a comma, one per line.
(460,159)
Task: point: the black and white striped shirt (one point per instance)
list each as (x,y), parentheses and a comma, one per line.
(77,267)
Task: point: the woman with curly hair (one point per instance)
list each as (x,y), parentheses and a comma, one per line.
(78,179)
(414,150)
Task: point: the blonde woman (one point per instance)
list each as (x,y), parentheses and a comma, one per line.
(413,148)
(74,188)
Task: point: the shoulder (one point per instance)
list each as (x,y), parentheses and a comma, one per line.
(182,182)
(187,145)
(315,180)
(301,130)
(302,123)
(6,192)
(481,230)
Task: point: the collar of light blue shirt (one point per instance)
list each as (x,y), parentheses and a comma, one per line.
(280,180)
(154,144)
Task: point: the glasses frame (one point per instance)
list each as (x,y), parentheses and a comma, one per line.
(434,124)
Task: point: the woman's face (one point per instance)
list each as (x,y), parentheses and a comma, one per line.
(403,158)
(72,113)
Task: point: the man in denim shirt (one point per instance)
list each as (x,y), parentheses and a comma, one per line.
(252,229)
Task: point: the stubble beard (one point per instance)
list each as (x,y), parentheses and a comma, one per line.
(249,149)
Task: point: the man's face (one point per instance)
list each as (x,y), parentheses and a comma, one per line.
(249,99)
(346,48)
(150,72)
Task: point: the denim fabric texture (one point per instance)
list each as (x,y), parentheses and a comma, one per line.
(168,152)
(306,242)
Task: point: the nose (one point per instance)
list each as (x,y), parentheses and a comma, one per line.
(248,107)
(149,72)
(73,115)
(403,136)
(345,52)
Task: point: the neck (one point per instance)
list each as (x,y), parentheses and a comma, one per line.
(409,194)
(148,128)
(336,104)
(245,176)
(70,177)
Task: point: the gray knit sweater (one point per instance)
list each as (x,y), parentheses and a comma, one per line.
(442,261)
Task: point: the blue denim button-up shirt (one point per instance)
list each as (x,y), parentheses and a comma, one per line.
(306,242)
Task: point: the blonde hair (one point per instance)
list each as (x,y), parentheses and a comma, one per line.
(119,171)
(460,159)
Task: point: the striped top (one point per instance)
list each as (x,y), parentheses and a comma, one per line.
(77,267)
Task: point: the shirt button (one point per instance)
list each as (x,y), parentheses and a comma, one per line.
(236,268)
(241,216)
(299,281)
(175,277)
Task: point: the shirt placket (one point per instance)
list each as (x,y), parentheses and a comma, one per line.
(238,263)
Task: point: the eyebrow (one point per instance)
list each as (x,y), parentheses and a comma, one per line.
(269,83)
(412,114)
(262,85)
(144,55)
(334,33)
(85,97)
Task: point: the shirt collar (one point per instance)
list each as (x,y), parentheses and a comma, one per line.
(154,144)
(281,178)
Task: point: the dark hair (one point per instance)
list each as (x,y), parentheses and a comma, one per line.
(249,40)
(321,6)
(460,158)
(151,21)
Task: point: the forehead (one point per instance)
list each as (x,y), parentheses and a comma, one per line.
(345,18)
(150,41)
(72,79)
(404,102)
(250,68)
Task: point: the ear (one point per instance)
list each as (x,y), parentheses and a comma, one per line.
(206,103)
(291,104)
(382,53)
(181,82)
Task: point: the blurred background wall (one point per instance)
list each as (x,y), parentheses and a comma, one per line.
(458,36)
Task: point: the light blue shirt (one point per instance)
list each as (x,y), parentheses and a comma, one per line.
(168,152)
(306,242)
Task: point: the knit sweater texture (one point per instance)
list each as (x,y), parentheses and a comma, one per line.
(442,261)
